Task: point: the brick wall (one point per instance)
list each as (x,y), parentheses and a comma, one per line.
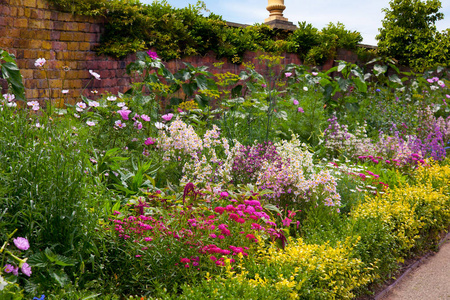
(31,29)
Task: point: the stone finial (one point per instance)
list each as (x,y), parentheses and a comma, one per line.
(276,19)
(276,8)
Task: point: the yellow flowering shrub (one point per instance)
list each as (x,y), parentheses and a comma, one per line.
(308,271)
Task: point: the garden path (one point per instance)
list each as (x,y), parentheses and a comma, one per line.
(430,280)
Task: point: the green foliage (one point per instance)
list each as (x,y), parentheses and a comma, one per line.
(174,33)
(409,34)
(11,73)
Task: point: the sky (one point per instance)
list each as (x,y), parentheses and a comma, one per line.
(364,16)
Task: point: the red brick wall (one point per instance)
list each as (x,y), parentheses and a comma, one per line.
(31,29)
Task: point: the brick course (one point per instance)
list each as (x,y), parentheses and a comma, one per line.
(31,29)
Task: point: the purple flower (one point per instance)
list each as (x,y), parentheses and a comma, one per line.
(124,113)
(26,269)
(295,102)
(21,243)
(167,117)
(300,110)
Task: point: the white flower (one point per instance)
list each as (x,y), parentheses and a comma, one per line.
(90,123)
(39,62)
(160,125)
(32,103)
(35,107)
(305,88)
(3,283)
(76,116)
(96,75)
(111,98)
(80,106)
(11,104)
(314,73)
(65,91)
(121,104)
(38,125)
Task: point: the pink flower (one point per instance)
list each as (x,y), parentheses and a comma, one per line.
(149,141)
(26,269)
(286,222)
(124,113)
(219,210)
(119,124)
(138,125)
(39,62)
(167,117)
(288,74)
(145,118)
(314,73)
(93,103)
(223,194)
(90,123)
(185,260)
(212,235)
(295,102)
(21,243)
(300,110)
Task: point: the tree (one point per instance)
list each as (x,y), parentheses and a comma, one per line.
(409,31)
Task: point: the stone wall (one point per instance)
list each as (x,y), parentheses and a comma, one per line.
(32,29)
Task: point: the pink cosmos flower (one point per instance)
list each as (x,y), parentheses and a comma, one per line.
(9,97)
(39,62)
(223,194)
(167,117)
(90,123)
(21,243)
(9,268)
(124,113)
(295,102)
(314,73)
(111,98)
(138,125)
(26,269)
(288,74)
(300,110)
(145,118)
(93,103)
(80,106)
(119,124)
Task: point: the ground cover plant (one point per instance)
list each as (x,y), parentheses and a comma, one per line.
(199,184)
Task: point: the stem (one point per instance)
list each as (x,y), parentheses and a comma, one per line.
(49,102)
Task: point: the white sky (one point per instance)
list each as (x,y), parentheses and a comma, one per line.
(363,16)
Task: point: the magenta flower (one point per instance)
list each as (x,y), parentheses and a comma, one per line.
(26,269)
(288,74)
(167,117)
(223,194)
(152,54)
(300,110)
(124,113)
(21,243)
(286,222)
(295,102)
(149,141)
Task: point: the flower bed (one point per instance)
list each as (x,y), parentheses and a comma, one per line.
(231,192)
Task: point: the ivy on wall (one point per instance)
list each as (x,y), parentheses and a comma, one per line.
(131,26)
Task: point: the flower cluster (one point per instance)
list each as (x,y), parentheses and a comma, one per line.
(14,263)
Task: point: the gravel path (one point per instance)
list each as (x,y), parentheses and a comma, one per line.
(430,280)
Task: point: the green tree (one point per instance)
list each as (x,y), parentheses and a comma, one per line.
(409,31)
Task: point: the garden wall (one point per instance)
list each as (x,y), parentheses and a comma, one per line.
(31,29)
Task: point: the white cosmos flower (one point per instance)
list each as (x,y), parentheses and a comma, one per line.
(160,125)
